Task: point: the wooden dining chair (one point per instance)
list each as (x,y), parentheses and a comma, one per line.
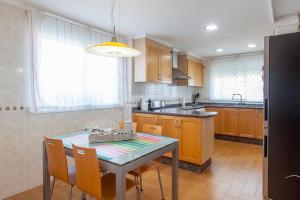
(57,164)
(88,177)
(148,128)
(134,125)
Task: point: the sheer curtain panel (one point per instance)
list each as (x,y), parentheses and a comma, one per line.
(63,76)
(236,74)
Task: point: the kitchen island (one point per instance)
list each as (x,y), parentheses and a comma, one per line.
(193,128)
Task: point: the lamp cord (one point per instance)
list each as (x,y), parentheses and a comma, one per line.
(112,18)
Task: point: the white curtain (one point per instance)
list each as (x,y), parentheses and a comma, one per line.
(241,74)
(63,76)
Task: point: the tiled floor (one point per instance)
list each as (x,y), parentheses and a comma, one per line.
(236,173)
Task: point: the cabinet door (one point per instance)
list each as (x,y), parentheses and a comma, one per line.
(141,119)
(218,119)
(198,75)
(246,123)
(169,128)
(152,64)
(229,121)
(259,124)
(191,72)
(165,66)
(190,139)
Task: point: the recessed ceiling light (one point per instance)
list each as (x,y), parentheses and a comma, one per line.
(219,50)
(251,45)
(211,27)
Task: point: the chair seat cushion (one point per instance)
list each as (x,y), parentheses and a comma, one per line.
(109,185)
(144,168)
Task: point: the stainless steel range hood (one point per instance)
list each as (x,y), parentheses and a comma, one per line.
(178,74)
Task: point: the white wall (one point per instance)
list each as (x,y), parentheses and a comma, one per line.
(21,132)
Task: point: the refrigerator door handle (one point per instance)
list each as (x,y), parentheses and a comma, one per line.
(292,176)
(265,146)
(266,109)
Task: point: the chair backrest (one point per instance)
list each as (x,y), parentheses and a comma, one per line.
(57,161)
(88,178)
(134,125)
(148,128)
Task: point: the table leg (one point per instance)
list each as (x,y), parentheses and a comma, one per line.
(46,177)
(120,184)
(175,173)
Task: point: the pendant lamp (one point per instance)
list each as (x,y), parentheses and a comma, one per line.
(113,48)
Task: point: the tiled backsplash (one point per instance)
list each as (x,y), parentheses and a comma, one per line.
(21,132)
(171,93)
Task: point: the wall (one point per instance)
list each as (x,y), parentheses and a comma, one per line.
(21,132)
(171,93)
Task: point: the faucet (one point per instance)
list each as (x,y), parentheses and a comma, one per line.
(195,97)
(241,98)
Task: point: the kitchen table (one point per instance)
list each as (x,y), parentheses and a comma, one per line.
(120,157)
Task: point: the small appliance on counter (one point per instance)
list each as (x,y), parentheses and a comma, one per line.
(146,104)
(158,104)
(182,102)
(163,103)
(155,104)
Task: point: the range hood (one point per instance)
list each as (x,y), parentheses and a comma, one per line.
(178,74)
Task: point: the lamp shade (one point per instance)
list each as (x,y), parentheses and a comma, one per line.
(113,49)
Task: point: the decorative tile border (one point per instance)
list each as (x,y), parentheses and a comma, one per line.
(12,108)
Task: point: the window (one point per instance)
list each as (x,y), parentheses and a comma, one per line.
(242,75)
(67,78)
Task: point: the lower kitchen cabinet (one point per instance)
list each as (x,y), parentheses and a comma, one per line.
(259,124)
(195,135)
(190,139)
(230,121)
(246,123)
(169,126)
(238,122)
(141,119)
(218,118)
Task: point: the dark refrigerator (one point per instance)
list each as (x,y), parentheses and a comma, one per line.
(281,173)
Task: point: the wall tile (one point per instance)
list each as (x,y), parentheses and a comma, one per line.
(21,132)
(171,93)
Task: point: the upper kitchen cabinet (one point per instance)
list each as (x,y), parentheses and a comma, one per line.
(192,67)
(155,62)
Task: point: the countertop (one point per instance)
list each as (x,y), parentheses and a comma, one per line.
(232,105)
(198,113)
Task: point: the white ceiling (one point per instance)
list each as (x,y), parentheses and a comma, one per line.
(285,8)
(178,22)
